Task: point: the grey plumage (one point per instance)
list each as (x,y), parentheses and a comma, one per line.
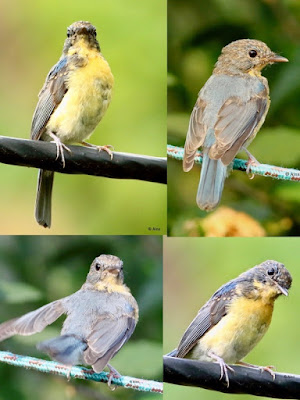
(231,107)
(50,97)
(99,320)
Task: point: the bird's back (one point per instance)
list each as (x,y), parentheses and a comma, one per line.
(86,307)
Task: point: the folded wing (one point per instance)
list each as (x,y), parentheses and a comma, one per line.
(237,122)
(50,97)
(208,316)
(106,339)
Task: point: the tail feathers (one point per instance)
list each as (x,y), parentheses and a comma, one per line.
(66,349)
(212,178)
(43,198)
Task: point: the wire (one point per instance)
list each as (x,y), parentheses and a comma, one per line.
(270,171)
(79,372)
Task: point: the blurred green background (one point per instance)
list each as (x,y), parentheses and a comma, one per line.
(37,270)
(133,39)
(194,268)
(197,31)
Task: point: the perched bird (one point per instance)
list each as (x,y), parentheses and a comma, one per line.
(101,317)
(230,109)
(73,100)
(235,318)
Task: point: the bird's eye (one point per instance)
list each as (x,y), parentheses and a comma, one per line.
(271,271)
(252,53)
(97,267)
(69,33)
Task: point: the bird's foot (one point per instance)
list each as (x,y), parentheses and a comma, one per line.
(252,162)
(69,373)
(113,373)
(60,147)
(224,367)
(268,369)
(108,148)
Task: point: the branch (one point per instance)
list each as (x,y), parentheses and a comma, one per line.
(271,171)
(244,380)
(79,372)
(82,160)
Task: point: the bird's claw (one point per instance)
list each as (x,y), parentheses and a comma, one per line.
(108,150)
(261,369)
(113,373)
(268,369)
(223,366)
(60,147)
(252,162)
(69,373)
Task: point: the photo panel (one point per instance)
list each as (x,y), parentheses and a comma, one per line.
(220,81)
(114,98)
(231,314)
(110,287)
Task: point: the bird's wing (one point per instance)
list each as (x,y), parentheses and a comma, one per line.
(108,336)
(32,322)
(195,135)
(237,121)
(50,96)
(208,316)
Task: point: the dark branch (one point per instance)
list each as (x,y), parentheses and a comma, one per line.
(82,160)
(244,380)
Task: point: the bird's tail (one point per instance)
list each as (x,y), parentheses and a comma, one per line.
(66,349)
(43,198)
(212,178)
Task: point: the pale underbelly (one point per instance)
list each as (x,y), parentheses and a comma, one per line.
(78,114)
(232,338)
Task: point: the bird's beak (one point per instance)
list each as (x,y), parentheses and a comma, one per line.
(276,58)
(114,270)
(283,290)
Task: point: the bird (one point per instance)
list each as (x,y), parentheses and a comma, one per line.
(73,100)
(235,318)
(101,317)
(230,109)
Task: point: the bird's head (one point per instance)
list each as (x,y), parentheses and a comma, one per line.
(246,56)
(81,32)
(106,269)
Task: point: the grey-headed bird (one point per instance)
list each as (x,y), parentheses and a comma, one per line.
(101,317)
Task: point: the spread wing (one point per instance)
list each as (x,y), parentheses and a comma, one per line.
(208,316)
(237,122)
(107,337)
(50,96)
(32,322)
(195,135)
